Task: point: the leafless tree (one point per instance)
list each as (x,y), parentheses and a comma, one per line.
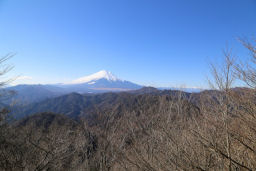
(247,71)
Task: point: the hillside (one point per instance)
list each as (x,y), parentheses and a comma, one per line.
(75,105)
(119,130)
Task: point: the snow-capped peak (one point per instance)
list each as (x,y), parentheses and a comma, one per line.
(103,74)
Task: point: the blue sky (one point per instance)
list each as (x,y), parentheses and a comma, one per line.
(150,42)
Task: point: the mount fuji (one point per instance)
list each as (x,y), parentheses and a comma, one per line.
(101,81)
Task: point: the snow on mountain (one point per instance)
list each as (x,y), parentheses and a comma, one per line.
(103,74)
(92,82)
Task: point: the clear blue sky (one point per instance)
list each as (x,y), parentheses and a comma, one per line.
(150,42)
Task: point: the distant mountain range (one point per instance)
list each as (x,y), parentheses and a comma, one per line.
(100,82)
